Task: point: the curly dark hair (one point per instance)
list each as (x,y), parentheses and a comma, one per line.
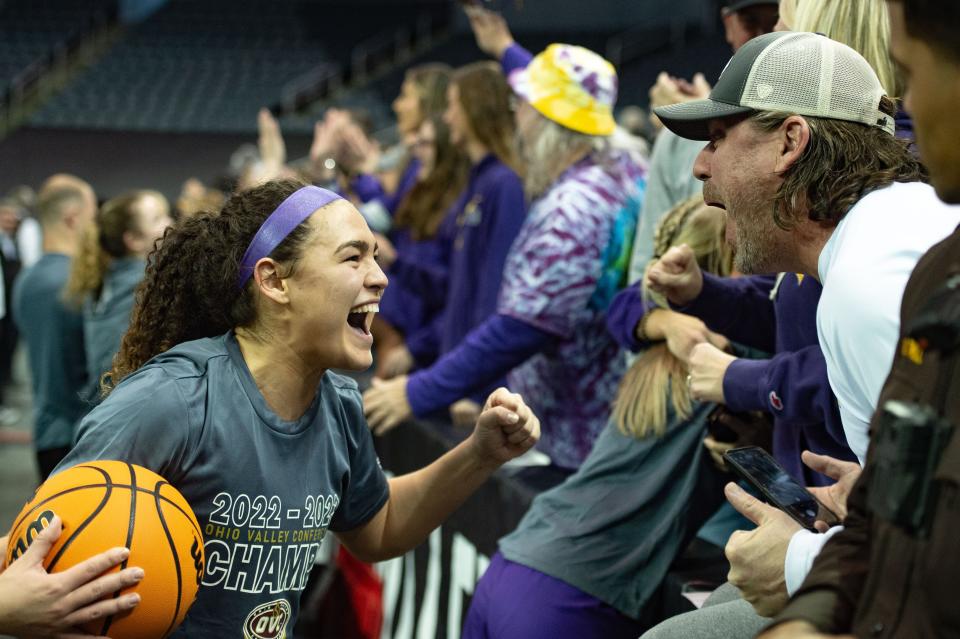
(189,290)
(843,162)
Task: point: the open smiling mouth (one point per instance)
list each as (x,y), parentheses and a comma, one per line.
(361,317)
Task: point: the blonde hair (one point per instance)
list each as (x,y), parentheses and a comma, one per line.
(102,242)
(862,25)
(788,13)
(658,377)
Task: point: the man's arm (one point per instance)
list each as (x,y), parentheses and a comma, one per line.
(828,597)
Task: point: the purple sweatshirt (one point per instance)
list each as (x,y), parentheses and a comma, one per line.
(368,187)
(416,316)
(792,385)
(462,276)
(401,306)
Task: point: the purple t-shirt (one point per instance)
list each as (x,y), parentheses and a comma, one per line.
(568,261)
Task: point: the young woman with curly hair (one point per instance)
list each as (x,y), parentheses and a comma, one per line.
(223,386)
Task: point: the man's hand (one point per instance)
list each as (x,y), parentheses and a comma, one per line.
(385,404)
(506,428)
(797,630)
(273,151)
(34,603)
(465,413)
(490,30)
(358,152)
(834,496)
(757,556)
(398,361)
(680,331)
(676,276)
(716,450)
(670,90)
(708,364)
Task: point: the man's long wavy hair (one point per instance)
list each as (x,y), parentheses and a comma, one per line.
(658,379)
(189,290)
(843,162)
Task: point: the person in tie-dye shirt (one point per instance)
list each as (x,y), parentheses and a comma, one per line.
(563,269)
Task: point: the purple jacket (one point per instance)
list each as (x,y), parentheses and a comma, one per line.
(368,187)
(415,315)
(449,284)
(792,385)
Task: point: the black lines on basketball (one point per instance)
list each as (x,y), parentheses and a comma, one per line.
(108,483)
(131,522)
(176,556)
(114,485)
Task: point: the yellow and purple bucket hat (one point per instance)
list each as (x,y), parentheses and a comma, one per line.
(572,86)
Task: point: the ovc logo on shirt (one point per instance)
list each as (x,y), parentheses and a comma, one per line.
(268,621)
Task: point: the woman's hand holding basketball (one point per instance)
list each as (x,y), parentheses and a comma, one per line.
(506,428)
(35,603)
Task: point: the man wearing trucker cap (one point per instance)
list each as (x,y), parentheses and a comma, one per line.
(801,154)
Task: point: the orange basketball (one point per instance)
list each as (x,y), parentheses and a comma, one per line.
(105,504)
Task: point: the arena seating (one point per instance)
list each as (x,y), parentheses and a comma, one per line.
(206,67)
(32,32)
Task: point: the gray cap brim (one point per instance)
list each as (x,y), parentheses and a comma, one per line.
(691,120)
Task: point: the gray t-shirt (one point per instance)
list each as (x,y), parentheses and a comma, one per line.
(264,490)
(54,337)
(106,319)
(670,181)
(613,528)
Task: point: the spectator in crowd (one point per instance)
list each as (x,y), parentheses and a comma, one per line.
(482,223)
(341,142)
(863,26)
(670,179)
(890,572)
(838,181)
(590,554)
(11,214)
(28,232)
(107,270)
(744,20)
(563,269)
(52,331)
(195,198)
(417,244)
(423,94)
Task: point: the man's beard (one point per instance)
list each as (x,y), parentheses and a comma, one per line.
(755,245)
(752,254)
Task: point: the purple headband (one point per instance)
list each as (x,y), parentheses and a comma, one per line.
(286,217)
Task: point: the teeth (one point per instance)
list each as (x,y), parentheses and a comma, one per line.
(367,308)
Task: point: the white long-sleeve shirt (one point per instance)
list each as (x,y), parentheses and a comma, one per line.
(864,268)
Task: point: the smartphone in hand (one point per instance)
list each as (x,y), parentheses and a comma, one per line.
(777,487)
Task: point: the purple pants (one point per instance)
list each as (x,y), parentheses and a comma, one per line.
(512,601)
